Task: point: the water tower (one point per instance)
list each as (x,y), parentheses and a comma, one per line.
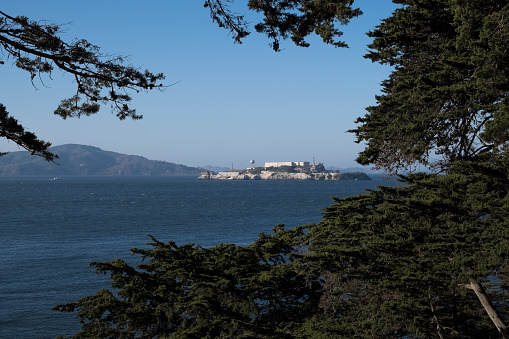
(251,163)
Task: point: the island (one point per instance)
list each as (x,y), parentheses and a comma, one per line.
(300,170)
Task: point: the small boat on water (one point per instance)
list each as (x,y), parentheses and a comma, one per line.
(56,178)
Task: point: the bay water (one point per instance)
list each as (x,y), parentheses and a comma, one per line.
(51,229)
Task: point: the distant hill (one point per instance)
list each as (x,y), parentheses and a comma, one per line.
(365,169)
(216,168)
(88,160)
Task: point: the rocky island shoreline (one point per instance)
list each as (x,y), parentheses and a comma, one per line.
(284,171)
(234,175)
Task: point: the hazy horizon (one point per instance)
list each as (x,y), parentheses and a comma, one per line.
(229,102)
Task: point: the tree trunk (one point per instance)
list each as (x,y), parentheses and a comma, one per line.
(488,307)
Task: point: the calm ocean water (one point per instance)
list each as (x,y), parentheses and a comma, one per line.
(52,229)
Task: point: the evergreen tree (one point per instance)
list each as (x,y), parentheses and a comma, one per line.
(283,19)
(227,291)
(404,259)
(444,106)
(447,96)
(12,130)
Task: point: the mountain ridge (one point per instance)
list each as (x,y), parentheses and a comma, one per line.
(77,159)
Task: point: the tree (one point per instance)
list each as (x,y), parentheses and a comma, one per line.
(12,130)
(37,48)
(282,19)
(444,106)
(447,96)
(193,292)
(403,258)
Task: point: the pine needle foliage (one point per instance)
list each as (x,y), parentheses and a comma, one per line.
(193,292)
(287,19)
(446,98)
(401,257)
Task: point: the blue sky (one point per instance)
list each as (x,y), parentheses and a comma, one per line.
(231,103)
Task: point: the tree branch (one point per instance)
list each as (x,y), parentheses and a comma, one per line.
(488,307)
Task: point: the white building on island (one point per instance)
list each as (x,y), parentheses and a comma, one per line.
(287,163)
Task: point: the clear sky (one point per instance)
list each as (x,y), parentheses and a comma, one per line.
(231,104)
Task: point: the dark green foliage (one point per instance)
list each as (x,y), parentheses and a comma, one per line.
(283,19)
(257,170)
(221,14)
(449,84)
(193,292)
(12,130)
(283,169)
(298,19)
(37,48)
(401,257)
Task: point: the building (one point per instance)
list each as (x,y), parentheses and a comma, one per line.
(287,163)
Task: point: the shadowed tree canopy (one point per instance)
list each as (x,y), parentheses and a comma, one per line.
(447,97)
(12,130)
(282,19)
(401,261)
(193,292)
